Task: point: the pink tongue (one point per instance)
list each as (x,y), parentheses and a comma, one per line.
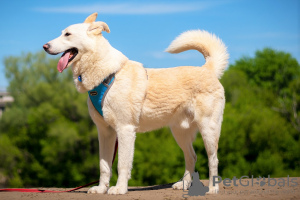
(63,62)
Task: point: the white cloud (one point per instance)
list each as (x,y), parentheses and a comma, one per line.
(131,9)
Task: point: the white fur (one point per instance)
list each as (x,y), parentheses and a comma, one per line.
(186,99)
(213,49)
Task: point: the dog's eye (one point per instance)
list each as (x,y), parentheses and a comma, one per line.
(67,34)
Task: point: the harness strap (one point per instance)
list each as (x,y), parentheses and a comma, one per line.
(97,95)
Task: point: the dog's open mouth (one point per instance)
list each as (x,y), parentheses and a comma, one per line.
(67,57)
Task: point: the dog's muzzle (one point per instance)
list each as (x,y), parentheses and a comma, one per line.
(47,49)
(46,46)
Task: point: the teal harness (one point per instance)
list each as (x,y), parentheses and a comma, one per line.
(98,94)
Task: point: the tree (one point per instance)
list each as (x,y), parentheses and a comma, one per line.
(269,69)
(53,141)
(278,73)
(259,132)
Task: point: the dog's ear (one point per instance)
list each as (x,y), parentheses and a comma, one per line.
(91,18)
(97,27)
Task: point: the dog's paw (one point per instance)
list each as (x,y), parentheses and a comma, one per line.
(213,190)
(179,185)
(117,190)
(98,190)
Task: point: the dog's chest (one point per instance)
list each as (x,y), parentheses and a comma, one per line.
(98,94)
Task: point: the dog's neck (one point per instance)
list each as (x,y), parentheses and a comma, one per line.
(95,67)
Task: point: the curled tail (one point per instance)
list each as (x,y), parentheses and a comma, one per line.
(212,48)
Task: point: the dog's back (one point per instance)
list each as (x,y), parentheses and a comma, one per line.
(172,92)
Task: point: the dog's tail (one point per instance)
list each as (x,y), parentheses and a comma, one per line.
(212,48)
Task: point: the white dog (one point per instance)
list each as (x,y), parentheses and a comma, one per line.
(186,99)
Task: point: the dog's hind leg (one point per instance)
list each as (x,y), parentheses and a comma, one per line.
(209,124)
(184,138)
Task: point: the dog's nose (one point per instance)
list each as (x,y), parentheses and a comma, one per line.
(46,46)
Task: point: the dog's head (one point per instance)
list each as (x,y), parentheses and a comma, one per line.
(76,40)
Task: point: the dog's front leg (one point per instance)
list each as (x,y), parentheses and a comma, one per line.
(107,138)
(126,138)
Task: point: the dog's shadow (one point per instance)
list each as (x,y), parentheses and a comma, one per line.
(155,187)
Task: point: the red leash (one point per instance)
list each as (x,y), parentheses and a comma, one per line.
(45,191)
(53,191)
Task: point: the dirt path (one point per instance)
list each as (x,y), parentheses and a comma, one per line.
(278,191)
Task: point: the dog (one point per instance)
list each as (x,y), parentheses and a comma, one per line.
(188,99)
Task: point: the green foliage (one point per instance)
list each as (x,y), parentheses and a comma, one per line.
(48,139)
(47,125)
(151,154)
(260,131)
(271,70)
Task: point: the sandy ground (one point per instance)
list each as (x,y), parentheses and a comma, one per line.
(166,192)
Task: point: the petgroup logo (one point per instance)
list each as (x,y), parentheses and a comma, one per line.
(198,189)
(259,181)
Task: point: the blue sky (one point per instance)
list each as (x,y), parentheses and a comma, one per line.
(142,30)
